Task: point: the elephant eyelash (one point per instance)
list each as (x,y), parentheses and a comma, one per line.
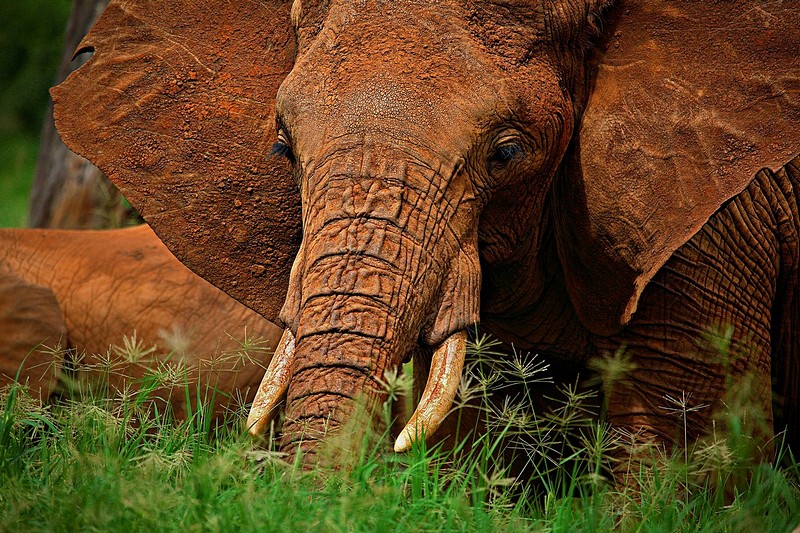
(282,149)
(505,153)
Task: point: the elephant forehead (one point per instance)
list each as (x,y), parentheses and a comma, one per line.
(389,109)
(369,106)
(371,66)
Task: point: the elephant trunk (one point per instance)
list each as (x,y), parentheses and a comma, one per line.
(334,377)
(357,315)
(381,269)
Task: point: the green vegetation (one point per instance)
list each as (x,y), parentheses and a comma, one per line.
(18,157)
(31,41)
(96,463)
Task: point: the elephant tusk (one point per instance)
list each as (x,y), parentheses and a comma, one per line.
(440,391)
(273,386)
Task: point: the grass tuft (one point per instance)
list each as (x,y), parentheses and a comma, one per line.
(95,462)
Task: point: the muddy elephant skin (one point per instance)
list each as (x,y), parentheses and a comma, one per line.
(573,175)
(70,299)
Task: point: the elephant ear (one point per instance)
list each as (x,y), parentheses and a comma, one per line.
(176,106)
(689,100)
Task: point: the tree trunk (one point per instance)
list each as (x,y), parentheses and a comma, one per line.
(68,191)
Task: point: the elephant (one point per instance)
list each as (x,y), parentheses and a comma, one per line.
(376,177)
(106,307)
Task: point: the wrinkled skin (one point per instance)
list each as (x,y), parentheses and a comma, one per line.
(390,257)
(407,189)
(462,162)
(83,291)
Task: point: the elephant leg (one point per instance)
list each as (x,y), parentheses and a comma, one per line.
(733,273)
(30,322)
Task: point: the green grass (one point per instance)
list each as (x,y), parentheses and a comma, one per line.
(98,464)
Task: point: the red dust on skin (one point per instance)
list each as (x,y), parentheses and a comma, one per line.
(625,155)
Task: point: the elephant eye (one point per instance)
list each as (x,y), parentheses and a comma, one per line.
(282,149)
(504,154)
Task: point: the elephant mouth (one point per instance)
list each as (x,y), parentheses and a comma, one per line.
(447,365)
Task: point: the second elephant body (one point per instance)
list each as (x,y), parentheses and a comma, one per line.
(111,306)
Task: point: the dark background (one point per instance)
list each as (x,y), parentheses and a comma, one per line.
(31,40)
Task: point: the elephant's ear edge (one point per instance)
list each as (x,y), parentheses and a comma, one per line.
(682,115)
(176,106)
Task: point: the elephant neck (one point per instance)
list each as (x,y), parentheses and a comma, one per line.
(524,301)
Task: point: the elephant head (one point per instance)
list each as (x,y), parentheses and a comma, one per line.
(433,153)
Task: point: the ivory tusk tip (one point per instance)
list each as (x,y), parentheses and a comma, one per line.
(447,365)
(258,421)
(273,386)
(403,442)
(255,426)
